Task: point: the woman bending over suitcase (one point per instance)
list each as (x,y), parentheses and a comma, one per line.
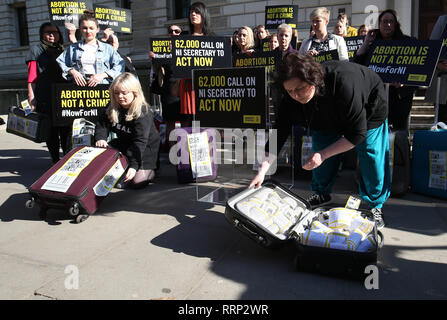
(344,106)
(128,116)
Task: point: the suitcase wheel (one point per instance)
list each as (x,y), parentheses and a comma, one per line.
(30,203)
(74,210)
(82,217)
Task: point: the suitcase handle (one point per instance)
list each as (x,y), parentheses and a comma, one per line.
(244,229)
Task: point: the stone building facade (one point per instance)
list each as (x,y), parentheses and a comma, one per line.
(20,21)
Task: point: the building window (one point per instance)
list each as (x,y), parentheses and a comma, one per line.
(124,4)
(178,9)
(22,25)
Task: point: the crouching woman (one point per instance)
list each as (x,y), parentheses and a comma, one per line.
(128,116)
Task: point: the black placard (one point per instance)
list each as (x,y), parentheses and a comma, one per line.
(71,101)
(409,62)
(231,98)
(327,56)
(119,19)
(257,59)
(68,11)
(162,48)
(193,52)
(277,15)
(353,44)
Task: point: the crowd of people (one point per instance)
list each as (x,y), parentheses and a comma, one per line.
(344,104)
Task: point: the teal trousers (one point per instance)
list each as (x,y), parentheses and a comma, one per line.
(373,153)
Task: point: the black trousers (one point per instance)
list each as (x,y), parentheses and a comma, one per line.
(60,137)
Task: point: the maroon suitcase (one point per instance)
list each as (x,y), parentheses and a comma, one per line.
(78,182)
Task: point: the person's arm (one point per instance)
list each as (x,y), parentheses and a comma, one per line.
(317,158)
(362,53)
(71,32)
(102,131)
(32,78)
(283,129)
(117,65)
(140,136)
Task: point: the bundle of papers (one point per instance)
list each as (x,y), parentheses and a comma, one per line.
(343,229)
(273,212)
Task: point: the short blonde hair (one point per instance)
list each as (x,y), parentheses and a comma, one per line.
(321,12)
(127,81)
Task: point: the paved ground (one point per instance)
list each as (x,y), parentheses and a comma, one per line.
(160,243)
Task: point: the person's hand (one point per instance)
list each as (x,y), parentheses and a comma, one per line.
(313,52)
(130,174)
(370,36)
(32,103)
(96,79)
(101,144)
(151,55)
(107,33)
(78,77)
(257,181)
(314,161)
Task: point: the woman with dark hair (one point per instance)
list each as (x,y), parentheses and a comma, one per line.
(199,20)
(344,106)
(43,70)
(400,97)
(199,25)
(90,62)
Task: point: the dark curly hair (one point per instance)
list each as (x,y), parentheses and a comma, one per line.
(302,67)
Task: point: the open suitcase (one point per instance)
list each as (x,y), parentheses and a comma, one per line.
(184,169)
(34,126)
(319,248)
(78,182)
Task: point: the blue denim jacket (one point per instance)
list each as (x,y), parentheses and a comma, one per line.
(107,60)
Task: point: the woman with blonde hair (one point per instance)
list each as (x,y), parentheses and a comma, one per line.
(128,116)
(246,40)
(322,40)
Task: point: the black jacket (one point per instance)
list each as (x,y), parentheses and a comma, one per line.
(353,101)
(138,139)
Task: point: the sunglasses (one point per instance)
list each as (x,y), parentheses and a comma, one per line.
(51,32)
(176,31)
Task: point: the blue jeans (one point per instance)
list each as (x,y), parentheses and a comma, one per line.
(373,153)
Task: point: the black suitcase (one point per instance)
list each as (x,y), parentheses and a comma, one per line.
(325,260)
(400,162)
(34,126)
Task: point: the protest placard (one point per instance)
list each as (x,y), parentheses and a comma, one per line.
(68,11)
(231,97)
(258,59)
(192,52)
(119,19)
(71,101)
(353,44)
(327,56)
(277,15)
(409,62)
(162,48)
